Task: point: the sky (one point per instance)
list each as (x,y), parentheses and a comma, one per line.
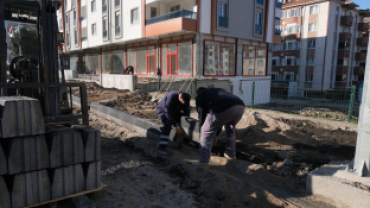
(363,4)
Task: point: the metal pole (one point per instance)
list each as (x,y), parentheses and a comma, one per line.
(159,82)
(252,97)
(362,156)
(350,107)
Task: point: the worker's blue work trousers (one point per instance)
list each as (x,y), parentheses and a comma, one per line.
(165,131)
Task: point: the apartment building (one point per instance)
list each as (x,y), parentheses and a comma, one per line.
(324,44)
(222,39)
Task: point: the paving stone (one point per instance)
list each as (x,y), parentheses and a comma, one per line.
(20,116)
(4,194)
(26,154)
(66,148)
(92,175)
(92,144)
(57,183)
(3,162)
(30,188)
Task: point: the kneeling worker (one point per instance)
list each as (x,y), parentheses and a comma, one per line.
(169,110)
(217,108)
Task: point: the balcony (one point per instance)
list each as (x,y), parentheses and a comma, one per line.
(358,70)
(364,27)
(345,37)
(172,15)
(360,56)
(363,41)
(178,21)
(344,53)
(346,21)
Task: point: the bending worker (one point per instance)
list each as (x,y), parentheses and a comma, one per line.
(217,108)
(169,110)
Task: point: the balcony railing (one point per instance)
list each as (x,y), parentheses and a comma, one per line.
(291,29)
(172,15)
(223,21)
(258,29)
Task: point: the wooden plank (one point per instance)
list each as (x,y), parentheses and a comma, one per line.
(66,129)
(103,186)
(61,123)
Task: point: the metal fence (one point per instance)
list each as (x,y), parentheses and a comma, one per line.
(338,104)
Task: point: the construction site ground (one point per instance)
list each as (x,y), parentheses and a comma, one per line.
(275,153)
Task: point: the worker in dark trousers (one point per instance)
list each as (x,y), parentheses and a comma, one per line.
(217,108)
(169,110)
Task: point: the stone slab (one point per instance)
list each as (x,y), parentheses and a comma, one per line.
(322,182)
(92,173)
(66,148)
(3,162)
(4,194)
(30,188)
(92,144)
(20,116)
(26,154)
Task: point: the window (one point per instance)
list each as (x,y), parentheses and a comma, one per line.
(258,23)
(336,28)
(104,6)
(259,2)
(74,17)
(335,45)
(275,61)
(290,29)
(92,64)
(312,27)
(309,77)
(175,8)
(74,2)
(93,29)
(289,76)
(117,3)
(341,78)
(333,60)
(314,9)
(67,21)
(105,28)
(278,47)
(223,59)
(142,59)
(117,24)
(337,12)
(76,39)
(344,45)
(310,61)
(289,61)
(342,62)
(134,16)
(67,39)
(254,61)
(223,15)
(93,6)
(311,44)
(275,76)
(153,12)
(291,13)
(292,45)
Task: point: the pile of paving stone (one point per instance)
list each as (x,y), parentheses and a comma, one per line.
(37,167)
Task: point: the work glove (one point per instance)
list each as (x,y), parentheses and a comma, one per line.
(178,130)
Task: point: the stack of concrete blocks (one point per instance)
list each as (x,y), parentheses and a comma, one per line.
(36,167)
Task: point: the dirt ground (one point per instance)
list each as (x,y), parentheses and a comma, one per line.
(288,146)
(136,177)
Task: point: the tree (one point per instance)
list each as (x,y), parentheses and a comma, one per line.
(27,40)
